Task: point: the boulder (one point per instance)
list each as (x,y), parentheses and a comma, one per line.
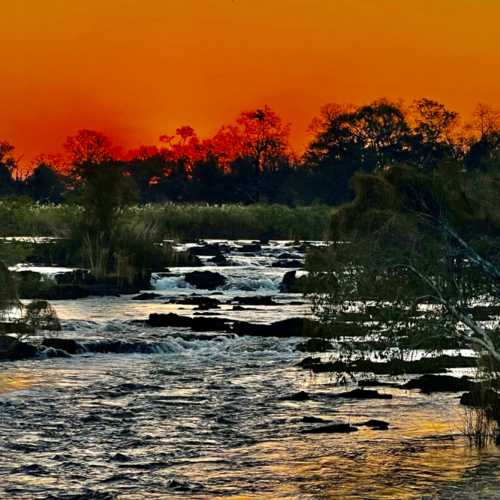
(291,327)
(67,345)
(219,259)
(314,345)
(294,264)
(298,396)
(169,319)
(258,300)
(286,255)
(361,394)
(12,349)
(440,383)
(378,425)
(481,397)
(198,300)
(203,324)
(331,429)
(206,280)
(209,249)
(289,282)
(250,248)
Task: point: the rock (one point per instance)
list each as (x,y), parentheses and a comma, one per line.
(291,327)
(481,397)
(12,349)
(169,319)
(294,264)
(393,367)
(289,282)
(377,383)
(314,345)
(309,362)
(238,308)
(286,256)
(379,425)
(209,249)
(250,248)
(19,327)
(147,296)
(298,396)
(198,324)
(67,345)
(312,420)
(206,280)
(331,428)
(209,324)
(361,394)
(439,383)
(198,300)
(206,307)
(258,300)
(219,259)
(120,457)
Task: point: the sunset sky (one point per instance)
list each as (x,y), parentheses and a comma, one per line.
(138,68)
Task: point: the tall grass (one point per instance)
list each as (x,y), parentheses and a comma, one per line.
(178,221)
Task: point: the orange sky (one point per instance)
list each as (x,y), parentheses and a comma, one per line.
(138,68)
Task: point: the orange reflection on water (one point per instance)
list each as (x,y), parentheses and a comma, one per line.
(11,381)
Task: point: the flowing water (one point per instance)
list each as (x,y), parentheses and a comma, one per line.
(177,414)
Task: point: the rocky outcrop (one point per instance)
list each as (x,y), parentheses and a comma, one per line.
(361,394)
(292,327)
(206,280)
(331,429)
(258,300)
(314,345)
(67,345)
(440,383)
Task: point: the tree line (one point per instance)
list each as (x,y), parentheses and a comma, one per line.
(251,160)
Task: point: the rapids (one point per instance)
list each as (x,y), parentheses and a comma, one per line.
(179,414)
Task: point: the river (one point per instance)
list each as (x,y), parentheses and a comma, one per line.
(202,415)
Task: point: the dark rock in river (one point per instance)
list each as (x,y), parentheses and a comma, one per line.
(298,396)
(12,349)
(378,425)
(258,300)
(361,394)
(206,280)
(147,296)
(198,324)
(68,345)
(219,259)
(197,300)
(250,248)
(314,345)
(293,256)
(170,319)
(331,429)
(440,383)
(481,397)
(209,249)
(393,367)
(289,283)
(292,327)
(209,324)
(294,264)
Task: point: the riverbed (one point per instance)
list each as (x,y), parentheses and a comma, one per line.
(199,415)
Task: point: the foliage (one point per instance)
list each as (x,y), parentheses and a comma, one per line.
(399,264)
